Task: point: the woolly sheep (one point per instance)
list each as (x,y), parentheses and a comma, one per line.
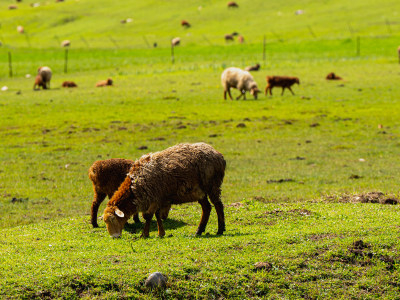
(106,176)
(176,41)
(282,81)
(179,174)
(239,79)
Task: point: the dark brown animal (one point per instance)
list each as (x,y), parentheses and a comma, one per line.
(104,82)
(333,76)
(106,176)
(39,83)
(256,67)
(281,81)
(69,84)
(180,174)
(232,4)
(228,37)
(185,23)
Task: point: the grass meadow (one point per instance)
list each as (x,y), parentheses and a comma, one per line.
(311,181)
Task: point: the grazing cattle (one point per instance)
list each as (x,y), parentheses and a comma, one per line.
(281,81)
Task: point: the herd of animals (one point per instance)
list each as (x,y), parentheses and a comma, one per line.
(231,78)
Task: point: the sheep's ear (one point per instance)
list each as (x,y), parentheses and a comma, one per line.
(119,213)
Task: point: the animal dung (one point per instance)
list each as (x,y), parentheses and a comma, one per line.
(156,280)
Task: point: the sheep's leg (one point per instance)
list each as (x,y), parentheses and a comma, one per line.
(241,94)
(224,94)
(161,231)
(283,89)
(206,207)
(146,227)
(266,90)
(290,89)
(136,218)
(215,197)
(98,198)
(229,93)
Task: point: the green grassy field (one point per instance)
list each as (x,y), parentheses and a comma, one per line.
(295,164)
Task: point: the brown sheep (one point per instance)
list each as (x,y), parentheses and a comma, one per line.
(232,4)
(39,83)
(256,67)
(69,84)
(228,37)
(333,76)
(282,81)
(185,23)
(12,6)
(104,82)
(106,176)
(180,174)
(240,39)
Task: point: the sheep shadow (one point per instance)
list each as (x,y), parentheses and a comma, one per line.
(168,224)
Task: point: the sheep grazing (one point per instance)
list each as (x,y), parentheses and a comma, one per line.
(12,6)
(256,67)
(238,79)
(69,84)
(43,78)
(228,37)
(20,29)
(185,24)
(333,76)
(175,41)
(104,82)
(106,176)
(282,81)
(66,43)
(180,174)
(232,4)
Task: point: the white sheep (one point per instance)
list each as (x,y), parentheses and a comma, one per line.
(45,73)
(238,79)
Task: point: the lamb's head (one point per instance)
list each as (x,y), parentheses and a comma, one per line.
(254,91)
(115,220)
(109,81)
(297,80)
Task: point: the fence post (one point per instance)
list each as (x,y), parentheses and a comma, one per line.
(10,64)
(172,53)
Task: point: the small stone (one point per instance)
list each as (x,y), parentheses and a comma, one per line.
(156,280)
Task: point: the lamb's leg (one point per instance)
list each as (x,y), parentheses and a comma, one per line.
(215,197)
(98,198)
(290,89)
(161,231)
(206,207)
(146,227)
(136,218)
(283,89)
(266,90)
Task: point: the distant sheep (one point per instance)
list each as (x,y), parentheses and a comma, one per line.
(20,29)
(66,43)
(43,78)
(175,41)
(106,176)
(333,76)
(12,6)
(282,81)
(180,174)
(256,67)
(238,79)
(228,37)
(240,39)
(185,23)
(69,84)
(107,82)
(232,4)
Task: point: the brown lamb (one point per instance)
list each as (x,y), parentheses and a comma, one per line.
(180,174)
(104,82)
(69,84)
(256,67)
(185,23)
(281,81)
(232,4)
(39,83)
(333,76)
(106,176)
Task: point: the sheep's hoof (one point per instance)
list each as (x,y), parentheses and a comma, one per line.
(95,225)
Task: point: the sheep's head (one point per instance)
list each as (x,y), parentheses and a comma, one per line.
(109,81)
(254,91)
(115,220)
(297,80)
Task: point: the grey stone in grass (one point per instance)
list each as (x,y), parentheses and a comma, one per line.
(156,280)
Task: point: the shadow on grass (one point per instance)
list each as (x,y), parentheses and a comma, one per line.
(168,224)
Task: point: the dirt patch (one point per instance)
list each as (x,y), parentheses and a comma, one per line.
(280,180)
(236,204)
(241,125)
(371,197)
(321,236)
(292,212)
